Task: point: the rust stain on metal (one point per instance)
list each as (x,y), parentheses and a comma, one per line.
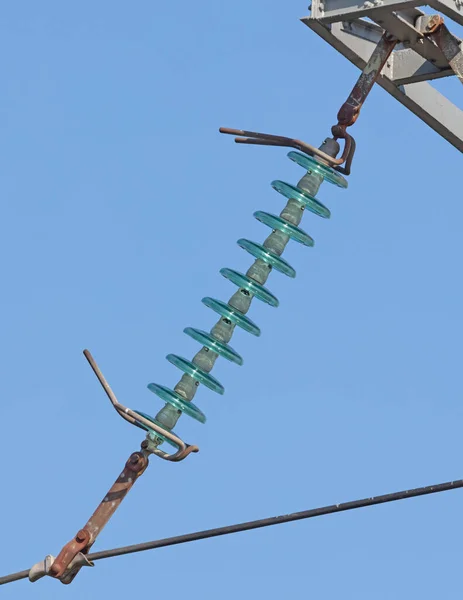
(434,23)
(350,110)
(449,45)
(85,538)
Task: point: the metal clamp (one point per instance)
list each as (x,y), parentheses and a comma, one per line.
(44,567)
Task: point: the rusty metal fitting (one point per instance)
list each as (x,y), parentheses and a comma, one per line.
(68,553)
(434,23)
(82,536)
(66,565)
(137,463)
(350,110)
(347,115)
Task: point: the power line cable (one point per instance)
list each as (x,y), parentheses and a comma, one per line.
(305,514)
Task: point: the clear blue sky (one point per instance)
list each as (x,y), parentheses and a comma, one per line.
(120,203)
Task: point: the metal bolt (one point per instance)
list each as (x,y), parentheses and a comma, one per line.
(81,536)
(134,459)
(433,22)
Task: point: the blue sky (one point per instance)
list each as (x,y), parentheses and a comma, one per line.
(120,203)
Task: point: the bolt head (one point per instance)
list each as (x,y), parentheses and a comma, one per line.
(81,536)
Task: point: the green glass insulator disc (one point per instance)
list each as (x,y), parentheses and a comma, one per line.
(194,371)
(312,165)
(260,251)
(296,234)
(207,340)
(309,202)
(233,315)
(177,401)
(254,288)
